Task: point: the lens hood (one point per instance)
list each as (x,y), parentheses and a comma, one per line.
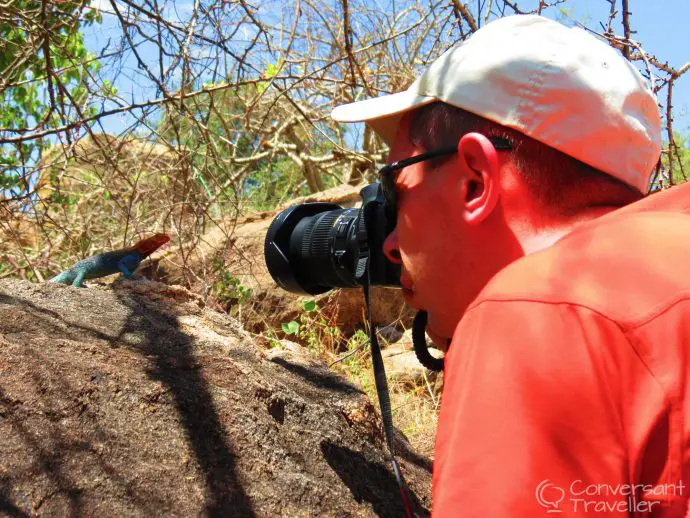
(277,249)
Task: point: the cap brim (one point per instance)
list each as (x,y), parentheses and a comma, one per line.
(383,114)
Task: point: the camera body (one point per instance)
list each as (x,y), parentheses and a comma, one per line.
(314,247)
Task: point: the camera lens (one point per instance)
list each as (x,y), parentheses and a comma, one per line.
(326,246)
(315,247)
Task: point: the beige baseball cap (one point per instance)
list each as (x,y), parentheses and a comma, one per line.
(561,86)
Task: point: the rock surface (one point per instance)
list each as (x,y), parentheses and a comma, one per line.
(135,400)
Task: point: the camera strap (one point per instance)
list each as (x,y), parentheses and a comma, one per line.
(385,402)
(420,347)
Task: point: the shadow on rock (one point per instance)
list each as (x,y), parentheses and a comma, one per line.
(173,364)
(169,354)
(383,496)
(323,379)
(140,401)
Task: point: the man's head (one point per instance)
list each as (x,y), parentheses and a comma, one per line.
(584,137)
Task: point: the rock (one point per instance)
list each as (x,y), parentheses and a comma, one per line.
(403,366)
(136,400)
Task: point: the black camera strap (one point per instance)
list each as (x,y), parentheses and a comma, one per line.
(420,347)
(385,402)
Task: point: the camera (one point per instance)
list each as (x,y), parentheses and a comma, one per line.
(314,247)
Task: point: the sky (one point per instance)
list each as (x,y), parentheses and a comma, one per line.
(661,25)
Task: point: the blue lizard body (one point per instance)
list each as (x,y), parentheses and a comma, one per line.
(122,261)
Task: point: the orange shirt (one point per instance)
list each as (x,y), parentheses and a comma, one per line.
(566,384)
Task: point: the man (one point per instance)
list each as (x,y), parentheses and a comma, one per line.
(565,381)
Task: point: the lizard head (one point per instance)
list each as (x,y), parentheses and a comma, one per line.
(149,245)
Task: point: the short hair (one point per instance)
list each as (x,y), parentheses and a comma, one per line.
(560,185)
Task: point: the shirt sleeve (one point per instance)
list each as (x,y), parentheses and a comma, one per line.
(530,414)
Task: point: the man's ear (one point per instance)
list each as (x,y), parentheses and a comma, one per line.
(480,168)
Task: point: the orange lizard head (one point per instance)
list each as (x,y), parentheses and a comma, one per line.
(149,245)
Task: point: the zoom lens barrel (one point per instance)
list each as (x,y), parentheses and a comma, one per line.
(314,247)
(325,246)
(309,248)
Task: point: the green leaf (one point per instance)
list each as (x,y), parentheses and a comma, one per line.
(272,70)
(27,103)
(291,328)
(108,89)
(309,305)
(20,94)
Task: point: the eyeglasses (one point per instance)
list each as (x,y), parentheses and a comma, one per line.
(387,176)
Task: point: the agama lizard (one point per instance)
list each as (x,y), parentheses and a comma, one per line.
(125,261)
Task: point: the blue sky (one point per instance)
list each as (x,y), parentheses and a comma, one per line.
(661,25)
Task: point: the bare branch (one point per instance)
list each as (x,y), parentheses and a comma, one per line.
(461,10)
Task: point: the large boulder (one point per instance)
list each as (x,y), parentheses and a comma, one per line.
(136,400)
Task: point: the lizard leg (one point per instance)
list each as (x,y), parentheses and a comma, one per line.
(79,279)
(125,271)
(61,278)
(127,265)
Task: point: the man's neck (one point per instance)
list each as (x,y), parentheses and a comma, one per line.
(535,239)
